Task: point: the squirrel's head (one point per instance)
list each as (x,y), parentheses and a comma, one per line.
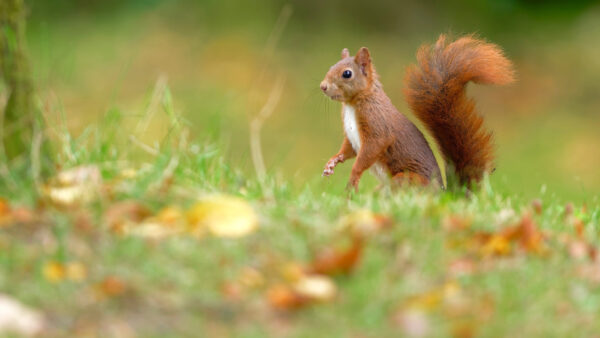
(349,76)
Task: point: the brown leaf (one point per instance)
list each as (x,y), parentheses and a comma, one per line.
(456,223)
(5,213)
(283,297)
(333,262)
(579,227)
(531,237)
(119,214)
(111,286)
(537,206)
(232,291)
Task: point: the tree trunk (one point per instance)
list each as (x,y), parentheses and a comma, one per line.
(18,115)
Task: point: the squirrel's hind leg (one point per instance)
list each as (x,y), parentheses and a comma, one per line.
(410,178)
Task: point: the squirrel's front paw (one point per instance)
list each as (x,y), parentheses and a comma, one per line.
(328,171)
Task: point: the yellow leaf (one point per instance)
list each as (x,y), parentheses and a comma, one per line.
(54,272)
(497,245)
(170,216)
(292,272)
(76,271)
(223,216)
(251,278)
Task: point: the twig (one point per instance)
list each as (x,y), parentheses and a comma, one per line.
(143,146)
(282,20)
(256,125)
(157,94)
(274,96)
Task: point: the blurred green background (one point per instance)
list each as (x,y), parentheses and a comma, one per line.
(91,56)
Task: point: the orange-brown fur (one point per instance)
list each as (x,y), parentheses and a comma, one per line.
(435,92)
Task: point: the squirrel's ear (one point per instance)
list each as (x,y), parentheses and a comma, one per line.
(345,53)
(363,59)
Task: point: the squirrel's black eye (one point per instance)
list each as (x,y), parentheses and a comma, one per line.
(347,74)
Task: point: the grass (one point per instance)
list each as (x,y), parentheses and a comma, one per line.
(427,273)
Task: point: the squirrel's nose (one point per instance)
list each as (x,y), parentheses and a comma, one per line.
(323,86)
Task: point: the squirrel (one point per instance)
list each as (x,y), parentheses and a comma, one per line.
(383,139)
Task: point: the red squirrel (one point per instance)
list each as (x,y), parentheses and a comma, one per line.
(382,138)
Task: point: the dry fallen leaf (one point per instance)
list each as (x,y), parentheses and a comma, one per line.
(316,288)
(433,299)
(461,310)
(307,290)
(56,272)
(362,223)
(332,262)
(18,319)
(292,271)
(531,237)
(283,297)
(5,213)
(76,271)
(497,245)
(525,234)
(75,186)
(251,278)
(579,226)
(170,216)
(118,216)
(223,216)
(537,206)
(456,223)
(111,286)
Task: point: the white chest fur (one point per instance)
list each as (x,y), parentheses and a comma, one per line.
(353,135)
(351,126)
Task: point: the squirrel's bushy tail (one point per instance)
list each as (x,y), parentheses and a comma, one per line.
(435,90)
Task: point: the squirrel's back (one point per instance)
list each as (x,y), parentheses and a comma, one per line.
(435,90)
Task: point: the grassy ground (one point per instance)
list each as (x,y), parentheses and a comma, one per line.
(130,230)
(125,255)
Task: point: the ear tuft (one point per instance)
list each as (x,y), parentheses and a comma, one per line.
(363,59)
(345,53)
